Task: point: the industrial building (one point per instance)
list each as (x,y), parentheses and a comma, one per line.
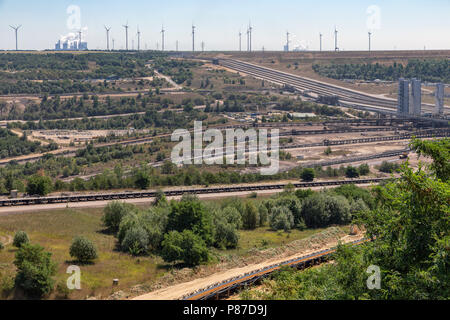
(70,45)
(439,95)
(415,97)
(403,96)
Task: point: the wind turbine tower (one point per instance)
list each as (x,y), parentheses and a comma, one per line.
(176,46)
(126,35)
(250,28)
(370,38)
(320,35)
(248,39)
(336,40)
(113,41)
(287,41)
(139,39)
(107,37)
(162,35)
(193,38)
(79,39)
(15,31)
(240,40)
(203,46)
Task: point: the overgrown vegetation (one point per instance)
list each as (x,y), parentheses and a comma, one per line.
(409,229)
(426,70)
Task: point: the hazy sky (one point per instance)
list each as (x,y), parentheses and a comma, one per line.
(396,24)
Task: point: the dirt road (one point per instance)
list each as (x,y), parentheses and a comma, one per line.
(179,290)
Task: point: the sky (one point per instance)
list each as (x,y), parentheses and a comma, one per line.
(395,24)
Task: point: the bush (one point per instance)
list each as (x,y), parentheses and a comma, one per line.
(39,185)
(20,238)
(186,246)
(83,250)
(114,213)
(322,209)
(263,215)
(250,218)
(308,175)
(2,246)
(351,172)
(226,235)
(191,214)
(232,216)
(389,167)
(35,270)
(135,241)
(293,204)
(364,169)
(281,218)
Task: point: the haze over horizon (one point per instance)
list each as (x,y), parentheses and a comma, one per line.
(396,25)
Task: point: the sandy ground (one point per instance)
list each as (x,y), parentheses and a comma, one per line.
(179,290)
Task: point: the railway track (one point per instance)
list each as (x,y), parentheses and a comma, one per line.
(227,287)
(355,159)
(151,194)
(304,84)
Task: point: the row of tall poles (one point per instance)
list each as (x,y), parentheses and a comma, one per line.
(249,38)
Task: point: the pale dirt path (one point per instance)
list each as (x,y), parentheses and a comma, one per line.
(178,291)
(6,240)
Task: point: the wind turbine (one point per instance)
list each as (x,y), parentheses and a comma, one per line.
(240,40)
(139,38)
(126,26)
(203,46)
(320,35)
(287,41)
(335,39)
(370,36)
(162,35)
(248,39)
(15,31)
(193,38)
(107,37)
(250,29)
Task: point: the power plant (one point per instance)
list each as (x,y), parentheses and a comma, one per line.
(409,97)
(403,97)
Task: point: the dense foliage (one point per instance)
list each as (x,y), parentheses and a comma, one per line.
(409,228)
(426,70)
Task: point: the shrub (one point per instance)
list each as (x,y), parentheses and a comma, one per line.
(263,215)
(250,218)
(281,218)
(364,169)
(226,235)
(186,246)
(232,216)
(83,250)
(2,246)
(308,175)
(191,214)
(20,238)
(389,167)
(351,172)
(135,241)
(293,204)
(322,209)
(114,213)
(39,185)
(358,206)
(35,270)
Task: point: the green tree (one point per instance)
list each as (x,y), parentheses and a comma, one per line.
(83,250)
(35,270)
(135,241)
(191,214)
(281,218)
(114,213)
(351,172)
(185,246)
(308,175)
(39,185)
(20,238)
(250,218)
